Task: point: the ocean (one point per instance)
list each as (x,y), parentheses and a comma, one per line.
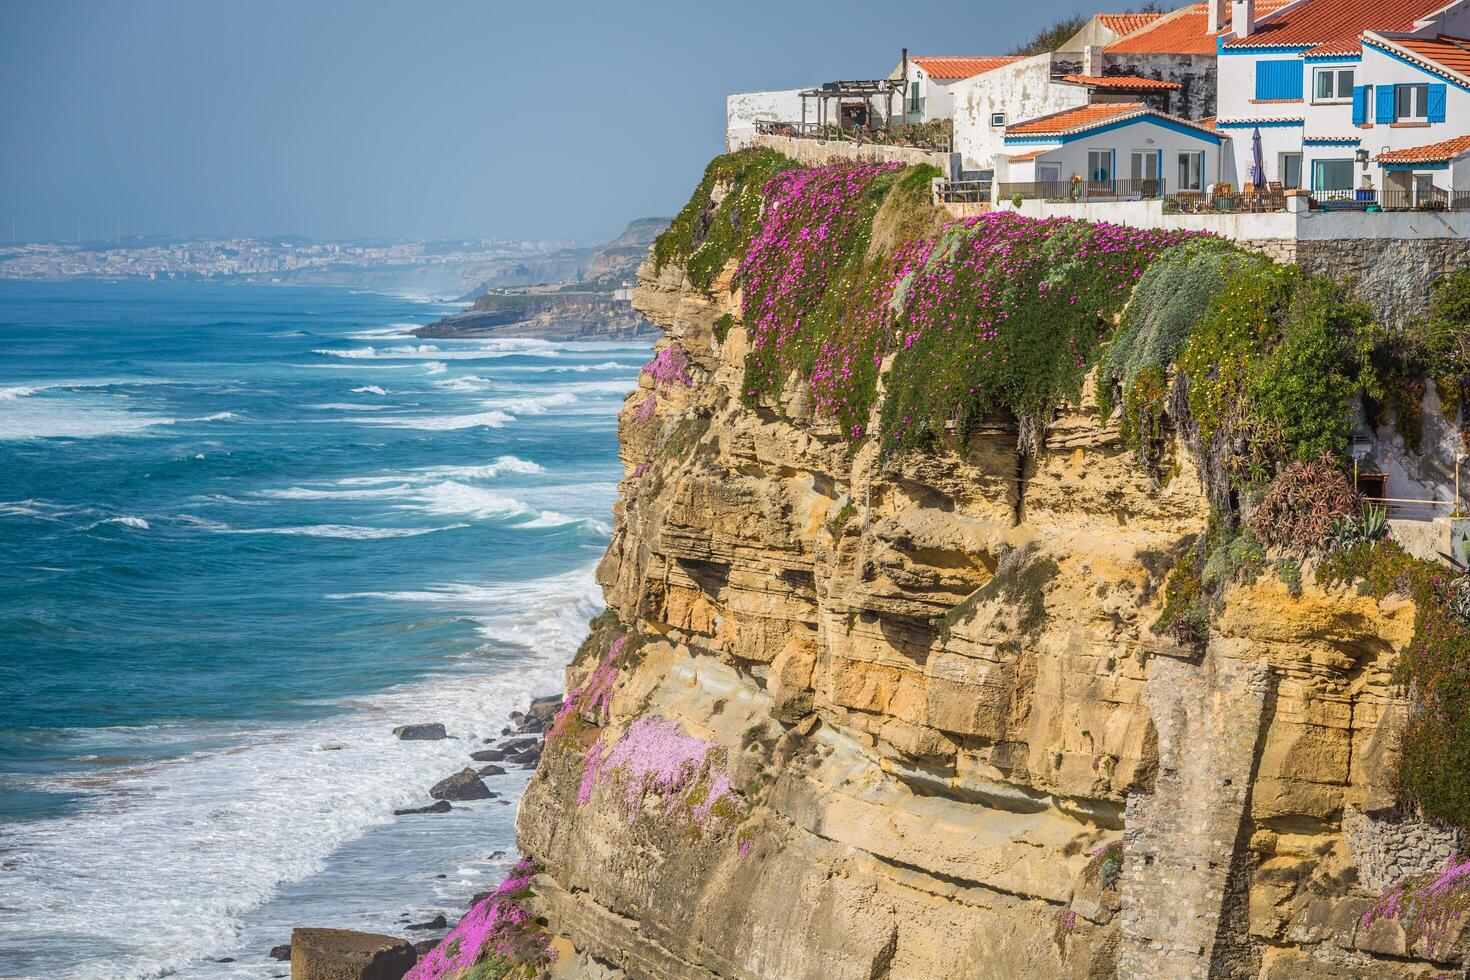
(246,531)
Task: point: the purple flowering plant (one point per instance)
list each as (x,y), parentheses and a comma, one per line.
(1427,905)
(497,937)
(655,757)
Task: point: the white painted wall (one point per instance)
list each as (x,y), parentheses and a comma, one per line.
(1141,135)
(1237,89)
(1022,90)
(744,109)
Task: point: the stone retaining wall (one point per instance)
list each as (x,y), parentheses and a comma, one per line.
(1391,846)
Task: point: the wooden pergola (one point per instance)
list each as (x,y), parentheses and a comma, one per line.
(832,97)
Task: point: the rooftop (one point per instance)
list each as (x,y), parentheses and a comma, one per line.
(1433,153)
(1449,53)
(1127,83)
(1185,31)
(1125,24)
(953,68)
(1329,27)
(1088,117)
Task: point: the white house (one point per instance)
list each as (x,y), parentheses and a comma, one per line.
(1164,60)
(745,111)
(1110,149)
(930,82)
(1361,99)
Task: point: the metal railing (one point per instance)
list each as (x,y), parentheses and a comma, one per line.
(962,191)
(1080,190)
(1274,199)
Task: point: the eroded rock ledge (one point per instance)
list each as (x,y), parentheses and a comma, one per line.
(933,777)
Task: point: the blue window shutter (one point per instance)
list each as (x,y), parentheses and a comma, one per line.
(1360,105)
(1386,107)
(1436,103)
(1279,79)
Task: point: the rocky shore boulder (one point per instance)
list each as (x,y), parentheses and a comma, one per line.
(463,785)
(538,717)
(341,954)
(429,732)
(441,807)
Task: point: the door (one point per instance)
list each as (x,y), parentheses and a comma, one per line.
(1049,176)
(1100,171)
(1290,170)
(1145,173)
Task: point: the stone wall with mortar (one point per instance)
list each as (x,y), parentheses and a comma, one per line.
(1391,845)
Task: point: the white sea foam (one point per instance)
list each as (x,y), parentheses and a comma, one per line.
(396,331)
(486,471)
(70,418)
(369,390)
(137,523)
(440,423)
(219,831)
(346,531)
(481,351)
(18,391)
(436,367)
(531,404)
(346,407)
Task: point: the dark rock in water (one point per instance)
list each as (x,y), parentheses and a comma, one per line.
(441,807)
(492,771)
(495,855)
(341,954)
(281,952)
(517,716)
(437,922)
(520,744)
(425,946)
(225,959)
(487,755)
(507,730)
(430,732)
(479,897)
(441,876)
(541,712)
(463,785)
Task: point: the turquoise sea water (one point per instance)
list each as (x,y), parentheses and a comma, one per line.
(246,530)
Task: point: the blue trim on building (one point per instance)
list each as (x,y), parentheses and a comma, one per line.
(1434,75)
(1410,167)
(1263,123)
(1261,49)
(1321,141)
(1168,124)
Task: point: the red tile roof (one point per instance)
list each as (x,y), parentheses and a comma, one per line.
(950,69)
(1433,153)
(1090,116)
(1333,26)
(1185,31)
(1028,157)
(1450,53)
(1128,83)
(1125,24)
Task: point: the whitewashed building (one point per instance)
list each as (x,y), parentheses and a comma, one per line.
(1108,150)
(1361,100)
(1166,61)
(746,111)
(929,82)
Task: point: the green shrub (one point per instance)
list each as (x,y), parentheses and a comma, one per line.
(1020,580)
(1186,613)
(706,235)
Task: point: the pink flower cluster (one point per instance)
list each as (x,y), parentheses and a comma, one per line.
(669,367)
(497,926)
(655,756)
(1426,904)
(645,410)
(595,696)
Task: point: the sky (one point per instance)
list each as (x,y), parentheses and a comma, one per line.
(558,119)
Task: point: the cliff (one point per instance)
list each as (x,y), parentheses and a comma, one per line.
(867,704)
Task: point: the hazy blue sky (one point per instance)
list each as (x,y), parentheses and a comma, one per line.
(419,119)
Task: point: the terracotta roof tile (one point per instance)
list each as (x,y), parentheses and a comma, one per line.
(1125,82)
(1125,24)
(1090,116)
(950,69)
(1028,157)
(1450,53)
(1183,32)
(1333,26)
(1433,153)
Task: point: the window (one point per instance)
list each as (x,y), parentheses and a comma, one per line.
(998,119)
(1332,175)
(1290,170)
(1332,85)
(1100,166)
(1192,171)
(1145,165)
(1413,103)
(915,103)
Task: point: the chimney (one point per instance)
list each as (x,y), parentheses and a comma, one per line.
(1092,60)
(1217,16)
(1243,17)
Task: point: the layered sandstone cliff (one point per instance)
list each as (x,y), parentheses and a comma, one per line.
(955,748)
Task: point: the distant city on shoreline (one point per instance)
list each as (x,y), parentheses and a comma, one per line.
(279,259)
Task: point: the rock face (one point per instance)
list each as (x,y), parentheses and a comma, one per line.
(463,785)
(936,779)
(340,954)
